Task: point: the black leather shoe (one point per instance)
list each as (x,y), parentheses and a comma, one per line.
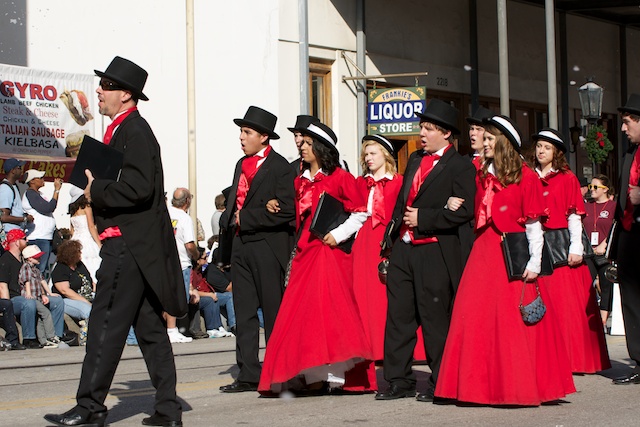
(239,387)
(17,346)
(426,396)
(632,378)
(32,344)
(73,418)
(158,420)
(395,392)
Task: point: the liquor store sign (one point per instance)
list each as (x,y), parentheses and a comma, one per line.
(392,111)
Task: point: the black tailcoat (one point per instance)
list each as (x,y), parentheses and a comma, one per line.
(422,279)
(259,256)
(628,257)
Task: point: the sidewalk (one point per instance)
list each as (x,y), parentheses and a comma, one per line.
(36,382)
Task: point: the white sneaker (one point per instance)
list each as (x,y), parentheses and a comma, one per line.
(50,344)
(225,332)
(216,333)
(176,337)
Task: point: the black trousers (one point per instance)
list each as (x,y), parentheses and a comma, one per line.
(419,292)
(8,321)
(258,281)
(629,277)
(124,298)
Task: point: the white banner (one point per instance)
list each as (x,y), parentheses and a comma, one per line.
(44,113)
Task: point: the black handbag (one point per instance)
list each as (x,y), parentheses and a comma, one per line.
(533,312)
(559,241)
(515,247)
(601,261)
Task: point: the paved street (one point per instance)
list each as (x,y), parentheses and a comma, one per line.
(36,382)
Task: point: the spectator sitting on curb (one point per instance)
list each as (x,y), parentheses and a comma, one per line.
(8,323)
(219,279)
(72,280)
(10,264)
(209,300)
(34,286)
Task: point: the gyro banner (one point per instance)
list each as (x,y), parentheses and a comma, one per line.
(44,113)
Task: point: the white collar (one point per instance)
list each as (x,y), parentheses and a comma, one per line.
(386,175)
(307,174)
(261,152)
(540,172)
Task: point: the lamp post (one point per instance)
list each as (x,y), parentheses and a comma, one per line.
(591,104)
(591,101)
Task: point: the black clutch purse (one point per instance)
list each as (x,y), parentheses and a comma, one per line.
(559,241)
(515,247)
(328,216)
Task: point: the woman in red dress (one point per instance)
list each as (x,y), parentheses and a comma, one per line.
(379,186)
(570,287)
(491,356)
(318,341)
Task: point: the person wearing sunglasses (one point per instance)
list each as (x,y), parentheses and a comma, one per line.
(597,224)
(140,275)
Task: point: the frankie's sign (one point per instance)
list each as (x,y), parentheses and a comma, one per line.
(392,111)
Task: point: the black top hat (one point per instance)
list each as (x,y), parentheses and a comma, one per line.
(322,133)
(260,120)
(480,114)
(386,144)
(127,74)
(552,136)
(632,106)
(508,128)
(442,114)
(583,181)
(302,121)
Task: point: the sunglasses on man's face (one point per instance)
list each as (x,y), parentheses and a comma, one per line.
(109,85)
(595,187)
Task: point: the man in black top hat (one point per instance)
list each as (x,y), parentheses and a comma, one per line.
(140,275)
(302,122)
(426,261)
(476,129)
(262,243)
(476,136)
(628,242)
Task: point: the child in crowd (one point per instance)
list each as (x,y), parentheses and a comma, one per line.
(33,286)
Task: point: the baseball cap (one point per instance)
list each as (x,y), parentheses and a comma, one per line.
(10,164)
(33,173)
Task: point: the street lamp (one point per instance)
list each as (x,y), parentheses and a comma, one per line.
(591,101)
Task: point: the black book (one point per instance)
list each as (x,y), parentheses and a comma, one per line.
(329,215)
(515,248)
(103,161)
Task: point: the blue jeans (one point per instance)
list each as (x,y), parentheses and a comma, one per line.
(186,276)
(56,307)
(45,246)
(225,299)
(131,337)
(77,309)
(210,310)
(25,309)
